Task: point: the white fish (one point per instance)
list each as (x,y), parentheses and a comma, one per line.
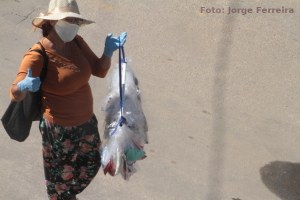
(133,111)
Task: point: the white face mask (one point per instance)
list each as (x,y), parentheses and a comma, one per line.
(66,31)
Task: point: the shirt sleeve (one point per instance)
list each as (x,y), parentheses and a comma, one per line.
(32,60)
(92,58)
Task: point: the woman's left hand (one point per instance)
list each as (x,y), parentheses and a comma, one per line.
(113,43)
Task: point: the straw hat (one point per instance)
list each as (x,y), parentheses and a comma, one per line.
(60,9)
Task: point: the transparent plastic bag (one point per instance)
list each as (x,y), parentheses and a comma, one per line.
(123,145)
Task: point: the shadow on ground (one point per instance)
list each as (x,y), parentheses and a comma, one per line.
(283,179)
(218,137)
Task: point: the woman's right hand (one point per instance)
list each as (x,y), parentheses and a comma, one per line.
(29,83)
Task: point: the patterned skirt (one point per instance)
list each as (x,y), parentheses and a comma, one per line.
(71,157)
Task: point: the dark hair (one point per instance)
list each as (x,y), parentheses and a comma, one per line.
(46,28)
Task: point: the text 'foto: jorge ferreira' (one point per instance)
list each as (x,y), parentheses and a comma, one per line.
(244,11)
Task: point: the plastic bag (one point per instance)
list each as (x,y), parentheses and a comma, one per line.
(121,152)
(123,142)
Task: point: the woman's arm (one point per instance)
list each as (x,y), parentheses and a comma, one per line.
(16,94)
(102,65)
(28,76)
(99,66)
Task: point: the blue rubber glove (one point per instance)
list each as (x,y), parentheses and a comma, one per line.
(29,83)
(113,43)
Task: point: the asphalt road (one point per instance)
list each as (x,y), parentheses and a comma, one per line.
(220,92)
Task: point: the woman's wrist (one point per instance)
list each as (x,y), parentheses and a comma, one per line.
(16,93)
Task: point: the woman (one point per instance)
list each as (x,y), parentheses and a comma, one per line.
(68,126)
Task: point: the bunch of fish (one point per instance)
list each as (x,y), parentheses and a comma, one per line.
(125,131)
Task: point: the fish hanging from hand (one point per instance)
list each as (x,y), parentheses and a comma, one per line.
(125,123)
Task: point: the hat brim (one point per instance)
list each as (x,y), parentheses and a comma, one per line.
(38,21)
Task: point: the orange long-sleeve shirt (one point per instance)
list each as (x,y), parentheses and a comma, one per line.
(66,94)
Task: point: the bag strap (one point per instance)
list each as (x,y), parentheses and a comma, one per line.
(42,51)
(44,70)
(122,76)
(77,43)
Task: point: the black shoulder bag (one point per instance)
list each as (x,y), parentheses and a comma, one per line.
(18,117)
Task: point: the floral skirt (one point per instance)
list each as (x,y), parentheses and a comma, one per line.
(71,157)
